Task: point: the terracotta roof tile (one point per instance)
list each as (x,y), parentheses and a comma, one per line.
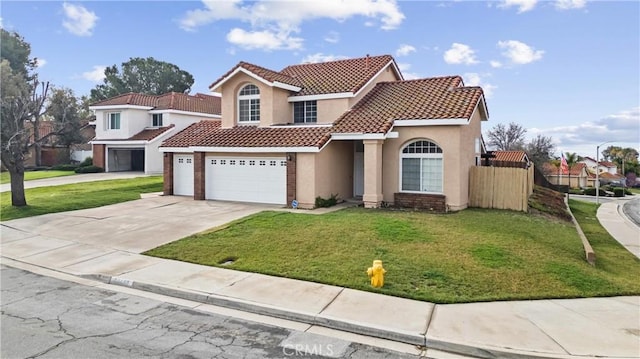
(431,98)
(510,156)
(336,76)
(199,103)
(269,75)
(250,136)
(193,134)
(149,134)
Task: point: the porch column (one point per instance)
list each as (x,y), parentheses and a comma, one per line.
(167,174)
(198,176)
(372,173)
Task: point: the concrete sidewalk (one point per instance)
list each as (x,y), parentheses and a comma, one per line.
(594,327)
(77,178)
(613,219)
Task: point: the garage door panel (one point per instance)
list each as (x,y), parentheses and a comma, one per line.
(183,175)
(259,179)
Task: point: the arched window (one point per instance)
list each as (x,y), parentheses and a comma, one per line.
(249,104)
(421,167)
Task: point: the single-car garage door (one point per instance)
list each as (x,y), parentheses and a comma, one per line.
(259,179)
(183,175)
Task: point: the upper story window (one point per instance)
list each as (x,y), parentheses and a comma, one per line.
(156,121)
(113,121)
(249,104)
(305,112)
(421,167)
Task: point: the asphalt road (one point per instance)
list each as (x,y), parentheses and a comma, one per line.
(44,317)
(632,210)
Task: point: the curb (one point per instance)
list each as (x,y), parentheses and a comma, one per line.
(329,322)
(590,254)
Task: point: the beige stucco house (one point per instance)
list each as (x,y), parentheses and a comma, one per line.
(353,128)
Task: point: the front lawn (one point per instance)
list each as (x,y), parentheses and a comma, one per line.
(70,197)
(472,255)
(34,175)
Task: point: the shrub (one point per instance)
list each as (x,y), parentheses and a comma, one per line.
(86,162)
(65,167)
(591,191)
(326,202)
(576,191)
(89,169)
(618,192)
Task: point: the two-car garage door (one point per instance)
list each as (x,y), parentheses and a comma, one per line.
(244,179)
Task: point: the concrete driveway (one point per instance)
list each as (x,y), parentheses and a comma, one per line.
(133,227)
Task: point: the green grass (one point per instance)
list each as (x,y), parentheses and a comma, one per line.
(472,255)
(34,175)
(69,197)
(634,190)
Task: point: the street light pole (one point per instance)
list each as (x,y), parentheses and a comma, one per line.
(598,170)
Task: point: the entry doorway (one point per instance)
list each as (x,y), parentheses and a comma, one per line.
(358,169)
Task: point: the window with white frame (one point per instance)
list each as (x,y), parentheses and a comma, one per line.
(156,120)
(305,112)
(113,121)
(249,104)
(421,167)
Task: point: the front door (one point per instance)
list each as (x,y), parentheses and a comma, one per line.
(358,169)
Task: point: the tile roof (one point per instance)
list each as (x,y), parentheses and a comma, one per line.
(336,76)
(269,75)
(510,156)
(423,99)
(193,134)
(250,136)
(149,134)
(199,103)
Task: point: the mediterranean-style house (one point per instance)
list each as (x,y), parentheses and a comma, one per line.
(352,128)
(130,127)
(576,177)
(602,166)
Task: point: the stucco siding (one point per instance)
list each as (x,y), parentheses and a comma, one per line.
(330,110)
(132,121)
(334,170)
(229,91)
(306,179)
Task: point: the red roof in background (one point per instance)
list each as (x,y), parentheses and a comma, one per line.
(510,156)
(423,99)
(199,103)
(193,134)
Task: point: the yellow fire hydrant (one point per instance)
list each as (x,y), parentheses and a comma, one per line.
(376,274)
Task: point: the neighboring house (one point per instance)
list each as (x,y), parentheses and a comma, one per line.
(130,127)
(509,159)
(51,151)
(578,175)
(352,128)
(604,166)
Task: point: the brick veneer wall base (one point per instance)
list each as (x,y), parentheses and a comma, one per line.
(198,176)
(167,174)
(430,202)
(291,177)
(98,156)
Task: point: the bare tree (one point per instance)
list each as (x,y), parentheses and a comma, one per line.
(540,150)
(507,138)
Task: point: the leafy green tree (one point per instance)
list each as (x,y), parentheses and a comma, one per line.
(142,75)
(67,113)
(572,159)
(16,51)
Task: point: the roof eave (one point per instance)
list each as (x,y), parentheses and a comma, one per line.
(215,86)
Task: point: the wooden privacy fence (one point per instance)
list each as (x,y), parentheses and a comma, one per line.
(500,187)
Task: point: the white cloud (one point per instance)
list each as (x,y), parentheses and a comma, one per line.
(460,54)
(405,50)
(519,52)
(570,4)
(78,20)
(332,37)
(523,5)
(281,19)
(623,128)
(95,75)
(476,79)
(320,57)
(406,74)
(40,62)
(265,40)
(495,64)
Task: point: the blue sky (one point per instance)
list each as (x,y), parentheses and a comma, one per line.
(569,69)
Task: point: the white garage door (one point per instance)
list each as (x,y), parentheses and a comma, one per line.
(183,175)
(260,179)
